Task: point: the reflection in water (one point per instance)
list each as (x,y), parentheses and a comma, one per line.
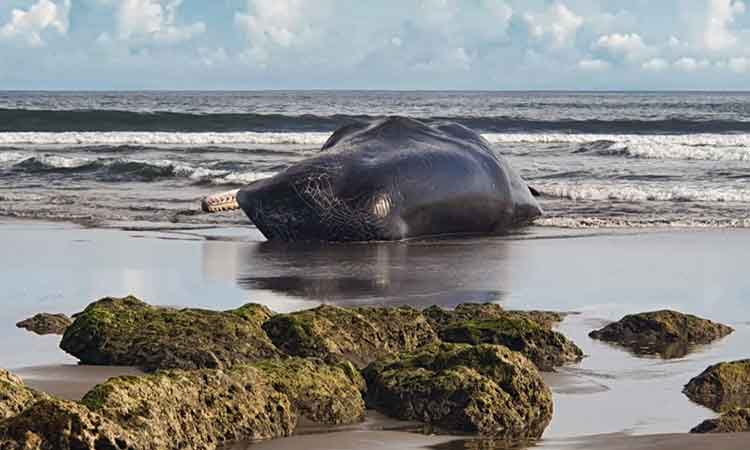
(419,273)
(664,350)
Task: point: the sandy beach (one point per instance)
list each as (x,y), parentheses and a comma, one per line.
(613,399)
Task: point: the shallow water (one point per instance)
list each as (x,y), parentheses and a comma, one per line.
(61,268)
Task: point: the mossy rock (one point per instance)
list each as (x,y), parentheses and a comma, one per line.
(205,408)
(320,392)
(46,323)
(128,332)
(52,424)
(722,387)
(733,421)
(357,335)
(485,389)
(669,334)
(490,324)
(439,317)
(14,395)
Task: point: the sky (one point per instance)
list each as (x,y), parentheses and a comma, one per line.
(387,44)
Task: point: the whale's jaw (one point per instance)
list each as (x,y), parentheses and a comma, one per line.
(223,201)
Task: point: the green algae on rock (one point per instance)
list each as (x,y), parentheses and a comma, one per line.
(195,409)
(734,421)
(126,331)
(490,324)
(15,396)
(486,389)
(722,386)
(46,323)
(439,317)
(670,334)
(358,335)
(323,393)
(52,424)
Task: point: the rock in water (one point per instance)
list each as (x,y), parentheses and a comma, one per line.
(14,395)
(46,323)
(129,332)
(323,393)
(485,389)
(670,334)
(52,424)
(195,409)
(358,335)
(734,421)
(722,387)
(489,324)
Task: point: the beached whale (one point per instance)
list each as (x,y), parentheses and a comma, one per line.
(388,179)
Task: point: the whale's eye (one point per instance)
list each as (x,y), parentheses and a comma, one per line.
(381,205)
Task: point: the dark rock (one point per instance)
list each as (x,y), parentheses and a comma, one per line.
(52,424)
(129,332)
(722,387)
(195,409)
(46,323)
(734,421)
(323,393)
(14,395)
(669,334)
(358,335)
(485,389)
(490,324)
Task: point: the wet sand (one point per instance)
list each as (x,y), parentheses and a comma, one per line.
(70,381)
(613,399)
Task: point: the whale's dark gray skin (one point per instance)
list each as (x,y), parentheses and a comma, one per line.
(389,179)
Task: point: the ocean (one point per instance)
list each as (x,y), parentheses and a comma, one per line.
(600,159)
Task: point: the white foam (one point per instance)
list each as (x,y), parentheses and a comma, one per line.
(242,178)
(705,146)
(62,162)
(642,193)
(618,222)
(687,152)
(702,139)
(13,157)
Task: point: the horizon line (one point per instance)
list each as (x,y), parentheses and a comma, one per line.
(728,91)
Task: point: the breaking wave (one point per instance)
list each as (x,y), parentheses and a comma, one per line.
(713,147)
(644,192)
(124,170)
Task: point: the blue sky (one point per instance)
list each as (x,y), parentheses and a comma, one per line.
(388,44)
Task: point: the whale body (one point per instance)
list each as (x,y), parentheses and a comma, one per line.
(388,179)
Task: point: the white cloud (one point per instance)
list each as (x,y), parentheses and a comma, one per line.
(278,22)
(154,20)
(689,64)
(630,46)
(593,65)
(29,25)
(721,14)
(557,21)
(739,64)
(274,23)
(655,64)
